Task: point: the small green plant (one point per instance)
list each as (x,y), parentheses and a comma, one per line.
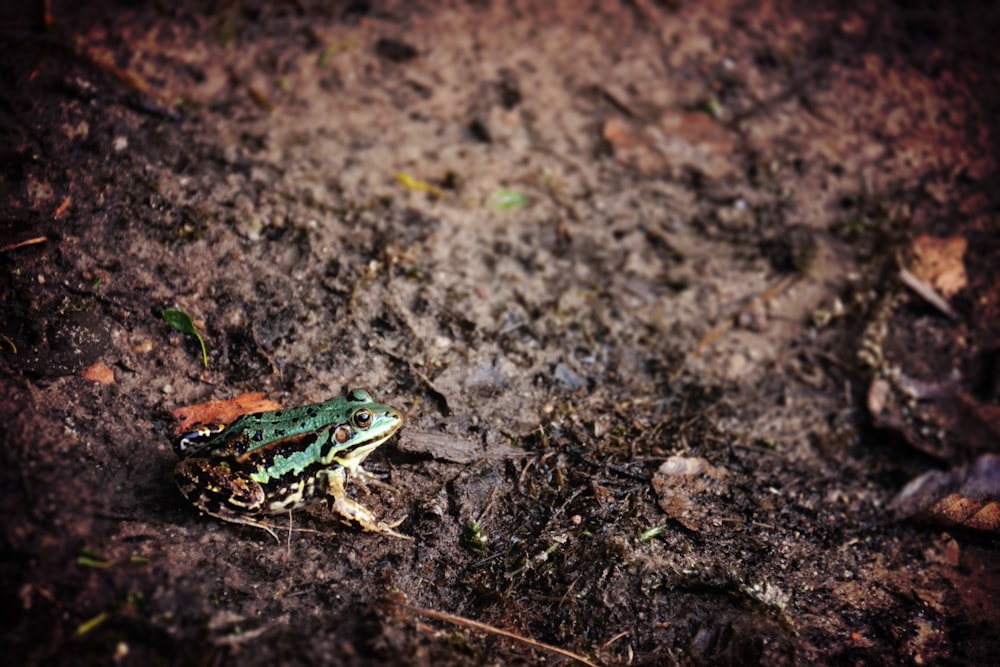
(92,559)
(506,199)
(651,533)
(475,538)
(182,322)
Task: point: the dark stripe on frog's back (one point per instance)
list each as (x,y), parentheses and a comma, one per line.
(264,426)
(260,457)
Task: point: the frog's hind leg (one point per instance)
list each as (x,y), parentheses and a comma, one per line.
(216,491)
(333,482)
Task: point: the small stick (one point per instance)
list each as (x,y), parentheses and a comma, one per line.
(14,246)
(469,623)
(925,291)
(727,324)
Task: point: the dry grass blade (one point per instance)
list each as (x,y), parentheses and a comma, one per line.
(14,246)
(926,292)
(476,625)
(727,324)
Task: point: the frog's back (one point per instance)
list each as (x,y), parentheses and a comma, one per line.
(247,432)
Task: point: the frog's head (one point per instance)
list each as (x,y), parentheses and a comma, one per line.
(367,426)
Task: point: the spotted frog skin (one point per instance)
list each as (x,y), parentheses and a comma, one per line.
(275,462)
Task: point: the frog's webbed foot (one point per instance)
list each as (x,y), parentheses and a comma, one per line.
(352,510)
(364,478)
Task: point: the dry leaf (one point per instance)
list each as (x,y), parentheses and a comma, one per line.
(221,412)
(99,372)
(940,263)
(966,497)
(967,512)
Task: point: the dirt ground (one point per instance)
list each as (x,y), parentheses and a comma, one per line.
(631,269)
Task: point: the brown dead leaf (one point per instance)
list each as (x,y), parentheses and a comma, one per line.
(940,263)
(966,497)
(967,512)
(99,372)
(221,412)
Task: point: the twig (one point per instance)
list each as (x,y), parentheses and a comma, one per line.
(926,292)
(726,325)
(489,503)
(14,246)
(476,625)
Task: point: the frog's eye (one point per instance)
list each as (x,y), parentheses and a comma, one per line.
(363,418)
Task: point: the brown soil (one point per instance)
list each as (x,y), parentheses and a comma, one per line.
(630,268)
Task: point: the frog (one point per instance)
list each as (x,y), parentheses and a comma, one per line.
(274,462)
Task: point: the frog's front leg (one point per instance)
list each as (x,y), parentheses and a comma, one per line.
(217,491)
(332,482)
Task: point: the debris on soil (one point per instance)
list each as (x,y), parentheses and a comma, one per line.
(415,184)
(674,143)
(936,418)
(484,627)
(686,489)
(638,308)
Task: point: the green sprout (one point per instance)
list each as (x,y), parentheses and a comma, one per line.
(475,538)
(182,322)
(653,532)
(92,559)
(506,199)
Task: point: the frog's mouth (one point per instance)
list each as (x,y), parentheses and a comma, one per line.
(353,459)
